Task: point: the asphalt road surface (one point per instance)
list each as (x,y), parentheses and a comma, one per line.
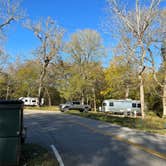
(86,142)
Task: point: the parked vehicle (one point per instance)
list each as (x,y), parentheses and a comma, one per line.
(127,106)
(31,101)
(74,105)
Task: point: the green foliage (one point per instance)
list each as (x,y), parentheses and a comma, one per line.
(80,75)
(3,85)
(119,76)
(73,83)
(25,78)
(153,93)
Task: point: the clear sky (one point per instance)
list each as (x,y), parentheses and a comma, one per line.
(71,14)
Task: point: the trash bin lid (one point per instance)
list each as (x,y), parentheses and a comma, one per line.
(11,102)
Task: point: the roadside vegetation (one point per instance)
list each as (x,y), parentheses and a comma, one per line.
(44,108)
(35,155)
(151,123)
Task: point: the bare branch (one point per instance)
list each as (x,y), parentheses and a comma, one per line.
(7,22)
(10,10)
(153,68)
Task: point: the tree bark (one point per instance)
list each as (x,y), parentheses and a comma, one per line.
(49,97)
(164,96)
(142,95)
(164,84)
(94,100)
(43,73)
(82,98)
(127,92)
(142,98)
(87,100)
(39,93)
(7,92)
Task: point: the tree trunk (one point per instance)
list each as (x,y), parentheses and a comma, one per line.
(87,100)
(39,93)
(94,100)
(127,92)
(141,79)
(28,94)
(42,76)
(49,97)
(7,93)
(164,96)
(164,84)
(142,96)
(82,98)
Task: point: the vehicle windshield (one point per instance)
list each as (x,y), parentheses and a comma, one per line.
(76,102)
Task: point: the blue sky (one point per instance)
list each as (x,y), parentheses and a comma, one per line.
(71,14)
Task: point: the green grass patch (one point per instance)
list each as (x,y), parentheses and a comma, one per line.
(44,108)
(151,123)
(35,155)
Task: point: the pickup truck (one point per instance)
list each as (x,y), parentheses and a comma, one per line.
(74,105)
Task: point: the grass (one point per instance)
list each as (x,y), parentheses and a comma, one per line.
(44,108)
(35,155)
(151,123)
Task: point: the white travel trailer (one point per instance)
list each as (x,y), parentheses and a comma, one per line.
(127,106)
(31,101)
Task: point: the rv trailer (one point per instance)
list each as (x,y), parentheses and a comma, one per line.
(126,106)
(31,101)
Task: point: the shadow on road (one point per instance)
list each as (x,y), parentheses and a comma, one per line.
(80,146)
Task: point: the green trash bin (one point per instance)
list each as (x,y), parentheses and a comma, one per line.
(11,128)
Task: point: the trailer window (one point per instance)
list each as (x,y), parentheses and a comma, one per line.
(104,104)
(76,102)
(139,105)
(134,105)
(111,104)
(26,100)
(33,101)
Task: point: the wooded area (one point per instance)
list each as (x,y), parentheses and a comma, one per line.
(71,69)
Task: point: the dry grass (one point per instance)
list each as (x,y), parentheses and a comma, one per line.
(44,108)
(151,123)
(35,155)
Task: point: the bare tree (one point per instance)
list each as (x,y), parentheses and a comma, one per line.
(10,10)
(155,45)
(163,53)
(50,36)
(136,24)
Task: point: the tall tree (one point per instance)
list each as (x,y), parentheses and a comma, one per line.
(10,10)
(85,47)
(50,36)
(156,45)
(134,25)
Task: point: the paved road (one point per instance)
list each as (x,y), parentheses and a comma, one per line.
(85,142)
